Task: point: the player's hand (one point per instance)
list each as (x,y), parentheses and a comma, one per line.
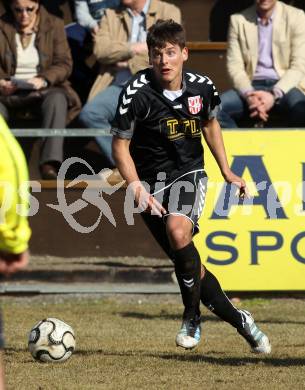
(7,87)
(147,203)
(37,82)
(11,263)
(231,178)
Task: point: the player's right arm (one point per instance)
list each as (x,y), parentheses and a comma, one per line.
(123,159)
(125,164)
(130,109)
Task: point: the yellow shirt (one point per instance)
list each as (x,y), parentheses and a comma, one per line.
(14,195)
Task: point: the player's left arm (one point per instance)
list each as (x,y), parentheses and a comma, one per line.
(14,227)
(213,137)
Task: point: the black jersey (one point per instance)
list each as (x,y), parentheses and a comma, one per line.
(165,135)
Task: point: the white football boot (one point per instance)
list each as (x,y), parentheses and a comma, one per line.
(257,340)
(189,335)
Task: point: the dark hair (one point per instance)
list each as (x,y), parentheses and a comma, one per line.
(164,31)
(8,3)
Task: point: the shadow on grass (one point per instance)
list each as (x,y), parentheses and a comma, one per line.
(238,361)
(187,357)
(281,322)
(162,316)
(198,358)
(121,264)
(205,318)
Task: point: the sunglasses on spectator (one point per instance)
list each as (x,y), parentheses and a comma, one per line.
(20,10)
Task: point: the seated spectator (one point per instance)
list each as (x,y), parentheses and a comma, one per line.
(88,14)
(266,64)
(121,50)
(222,10)
(35,63)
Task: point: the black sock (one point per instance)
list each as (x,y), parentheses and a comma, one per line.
(217,302)
(187,268)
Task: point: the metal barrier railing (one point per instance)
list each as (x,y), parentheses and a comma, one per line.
(73,132)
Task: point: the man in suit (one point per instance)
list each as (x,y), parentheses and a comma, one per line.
(266,64)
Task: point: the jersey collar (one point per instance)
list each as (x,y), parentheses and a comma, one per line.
(158,87)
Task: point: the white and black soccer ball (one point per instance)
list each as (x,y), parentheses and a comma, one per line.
(51,340)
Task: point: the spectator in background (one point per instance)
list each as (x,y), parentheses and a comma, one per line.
(88,14)
(35,63)
(14,229)
(121,50)
(222,10)
(266,64)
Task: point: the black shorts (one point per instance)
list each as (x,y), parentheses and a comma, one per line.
(184,196)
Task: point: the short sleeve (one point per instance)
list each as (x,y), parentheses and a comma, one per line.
(123,123)
(132,106)
(214,101)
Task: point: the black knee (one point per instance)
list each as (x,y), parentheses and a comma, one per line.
(210,289)
(187,260)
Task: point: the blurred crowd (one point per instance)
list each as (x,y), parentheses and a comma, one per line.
(54,75)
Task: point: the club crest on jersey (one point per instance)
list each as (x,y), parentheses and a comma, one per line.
(195,104)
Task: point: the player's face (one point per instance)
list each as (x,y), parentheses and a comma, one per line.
(24,11)
(265,5)
(167,64)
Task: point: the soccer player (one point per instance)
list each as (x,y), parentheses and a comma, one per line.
(161,115)
(14,229)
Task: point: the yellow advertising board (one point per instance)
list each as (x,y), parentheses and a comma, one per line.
(260,244)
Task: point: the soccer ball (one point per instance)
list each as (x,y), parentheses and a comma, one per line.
(51,340)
